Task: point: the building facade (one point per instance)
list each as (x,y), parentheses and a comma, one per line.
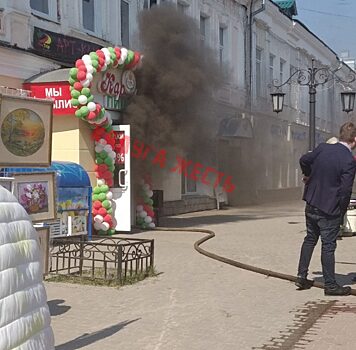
(257,40)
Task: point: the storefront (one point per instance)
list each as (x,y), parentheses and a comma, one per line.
(89,100)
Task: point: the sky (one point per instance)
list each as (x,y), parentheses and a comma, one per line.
(333,21)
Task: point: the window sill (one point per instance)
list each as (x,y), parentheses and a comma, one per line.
(42,15)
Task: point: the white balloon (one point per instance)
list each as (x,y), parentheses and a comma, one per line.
(100,182)
(143,214)
(109,195)
(104,68)
(86,59)
(90,68)
(91,106)
(98,148)
(102,142)
(82,99)
(123,55)
(150,193)
(146,187)
(105,226)
(97,225)
(85,83)
(112,155)
(139,208)
(151,225)
(89,76)
(98,219)
(107,148)
(148,219)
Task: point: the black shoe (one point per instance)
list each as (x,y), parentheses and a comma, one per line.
(303,283)
(337,290)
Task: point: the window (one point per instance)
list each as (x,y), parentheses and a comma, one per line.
(125,24)
(189,186)
(222,48)
(149,3)
(183,8)
(258,72)
(282,63)
(293,88)
(91,11)
(271,68)
(48,8)
(203,28)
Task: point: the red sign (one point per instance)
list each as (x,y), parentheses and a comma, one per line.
(58,91)
(120,147)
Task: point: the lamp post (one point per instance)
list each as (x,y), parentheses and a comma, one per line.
(313,77)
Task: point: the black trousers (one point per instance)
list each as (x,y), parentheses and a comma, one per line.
(327,227)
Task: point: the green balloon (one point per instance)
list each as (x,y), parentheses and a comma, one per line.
(109,211)
(130,57)
(96,190)
(75,93)
(71,81)
(108,161)
(73,73)
(101,197)
(139,220)
(104,189)
(78,113)
(95,197)
(90,98)
(111,49)
(111,167)
(99,160)
(84,110)
(93,56)
(106,204)
(95,63)
(111,231)
(103,155)
(74,102)
(86,91)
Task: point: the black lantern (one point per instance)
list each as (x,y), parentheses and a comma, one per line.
(348,101)
(277,101)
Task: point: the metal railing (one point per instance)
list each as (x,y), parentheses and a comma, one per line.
(102,258)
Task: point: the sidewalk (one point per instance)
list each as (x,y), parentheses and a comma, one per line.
(199,303)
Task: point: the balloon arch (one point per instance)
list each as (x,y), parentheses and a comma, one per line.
(80,80)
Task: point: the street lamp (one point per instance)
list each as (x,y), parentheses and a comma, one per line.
(313,77)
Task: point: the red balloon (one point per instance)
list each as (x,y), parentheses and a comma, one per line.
(91,116)
(81,75)
(100,53)
(78,86)
(94,212)
(103,167)
(107,218)
(101,61)
(102,211)
(97,205)
(79,63)
(82,68)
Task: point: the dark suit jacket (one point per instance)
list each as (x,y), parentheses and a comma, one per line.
(331,171)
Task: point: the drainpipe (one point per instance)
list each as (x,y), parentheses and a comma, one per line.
(252,14)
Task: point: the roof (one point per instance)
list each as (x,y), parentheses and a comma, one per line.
(68,174)
(285,4)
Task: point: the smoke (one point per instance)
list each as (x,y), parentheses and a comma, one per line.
(174,107)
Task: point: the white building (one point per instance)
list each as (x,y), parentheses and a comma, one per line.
(259,43)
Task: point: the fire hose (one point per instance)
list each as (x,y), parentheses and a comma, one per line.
(211,234)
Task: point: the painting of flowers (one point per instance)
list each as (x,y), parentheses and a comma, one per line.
(33,196)
(36,192)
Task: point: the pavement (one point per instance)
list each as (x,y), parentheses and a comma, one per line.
(197,303)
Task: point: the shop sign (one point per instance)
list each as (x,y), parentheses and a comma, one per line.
(116,85)
(120,147)
(59,92)
(61,47)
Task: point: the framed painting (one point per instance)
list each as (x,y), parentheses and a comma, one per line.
(25,131)
(43,239)
(8,183)
(36,192)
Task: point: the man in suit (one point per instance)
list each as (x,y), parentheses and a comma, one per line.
(329,173)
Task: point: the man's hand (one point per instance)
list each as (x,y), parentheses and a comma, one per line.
(305,179)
